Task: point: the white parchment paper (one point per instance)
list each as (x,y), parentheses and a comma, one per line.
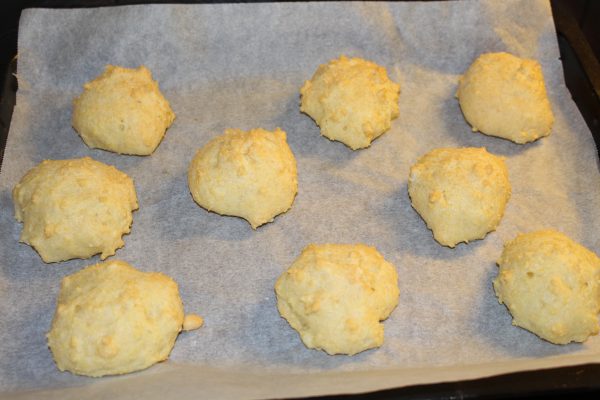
(241,65)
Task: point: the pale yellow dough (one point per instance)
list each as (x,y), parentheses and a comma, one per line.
(245,174)
(503,95)
(352,100)
(551,286)
(335,296)
(460,193)
(74,208)
(123,111)
(113,319)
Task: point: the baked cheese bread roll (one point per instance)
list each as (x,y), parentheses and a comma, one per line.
(352,100)
(113,319)
(122,111)
(551,286)
(460,193)
(248,174)
(503,95)
(74,208)
(335,295)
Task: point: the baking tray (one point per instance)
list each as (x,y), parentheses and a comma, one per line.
(582,75)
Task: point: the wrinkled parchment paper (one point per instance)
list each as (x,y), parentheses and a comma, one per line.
(241,66)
